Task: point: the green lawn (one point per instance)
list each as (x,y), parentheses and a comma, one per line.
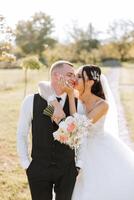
(127,95)
(13,181)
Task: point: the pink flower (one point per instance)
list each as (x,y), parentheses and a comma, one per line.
(71,127)
(63,138)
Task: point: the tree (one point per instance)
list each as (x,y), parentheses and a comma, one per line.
(6,39)
(84,39)
(83,42)
(30,62)
(120,37)
(34,34)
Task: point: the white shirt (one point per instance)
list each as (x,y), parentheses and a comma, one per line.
(24,125)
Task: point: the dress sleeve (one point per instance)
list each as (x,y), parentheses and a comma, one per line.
(46,91)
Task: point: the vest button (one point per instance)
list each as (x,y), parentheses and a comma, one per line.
(53,163)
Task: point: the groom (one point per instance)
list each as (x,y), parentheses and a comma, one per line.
(53,164)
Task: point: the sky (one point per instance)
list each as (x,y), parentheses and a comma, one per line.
(100,13)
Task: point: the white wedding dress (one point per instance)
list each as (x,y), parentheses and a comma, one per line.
(108,167)
(107,172)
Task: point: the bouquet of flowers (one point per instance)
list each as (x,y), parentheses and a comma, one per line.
(71,129)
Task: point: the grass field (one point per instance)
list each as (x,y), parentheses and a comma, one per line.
(127,95)
(12,178)
(13,182)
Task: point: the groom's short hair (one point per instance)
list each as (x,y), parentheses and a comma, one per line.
(60,64)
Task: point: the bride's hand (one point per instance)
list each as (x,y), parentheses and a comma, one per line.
(58,114)
(66,85)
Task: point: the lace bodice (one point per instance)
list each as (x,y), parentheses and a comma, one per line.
(97,128)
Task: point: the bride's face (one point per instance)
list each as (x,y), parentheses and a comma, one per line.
(79,85)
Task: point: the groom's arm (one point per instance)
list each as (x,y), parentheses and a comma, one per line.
(23,130)
(47,92)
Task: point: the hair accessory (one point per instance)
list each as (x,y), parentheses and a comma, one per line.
(95,75)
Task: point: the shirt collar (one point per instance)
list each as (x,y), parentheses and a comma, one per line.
(63,96)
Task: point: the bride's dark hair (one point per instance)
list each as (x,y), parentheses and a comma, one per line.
(93,72)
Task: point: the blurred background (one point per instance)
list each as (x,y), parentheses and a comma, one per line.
(36,33)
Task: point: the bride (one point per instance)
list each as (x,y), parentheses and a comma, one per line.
(107,164)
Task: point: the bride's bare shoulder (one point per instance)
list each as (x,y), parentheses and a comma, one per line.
(103,104)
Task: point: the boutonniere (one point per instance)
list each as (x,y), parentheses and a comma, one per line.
(48,111)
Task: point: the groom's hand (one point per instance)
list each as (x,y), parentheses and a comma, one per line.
(58,114)
(67,85)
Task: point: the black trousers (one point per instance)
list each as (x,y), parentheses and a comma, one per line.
(43,180)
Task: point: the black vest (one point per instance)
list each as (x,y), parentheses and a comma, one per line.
(44,147)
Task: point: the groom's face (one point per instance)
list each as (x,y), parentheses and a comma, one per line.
(68,74)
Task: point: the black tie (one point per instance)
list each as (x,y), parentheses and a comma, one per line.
(58,99)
